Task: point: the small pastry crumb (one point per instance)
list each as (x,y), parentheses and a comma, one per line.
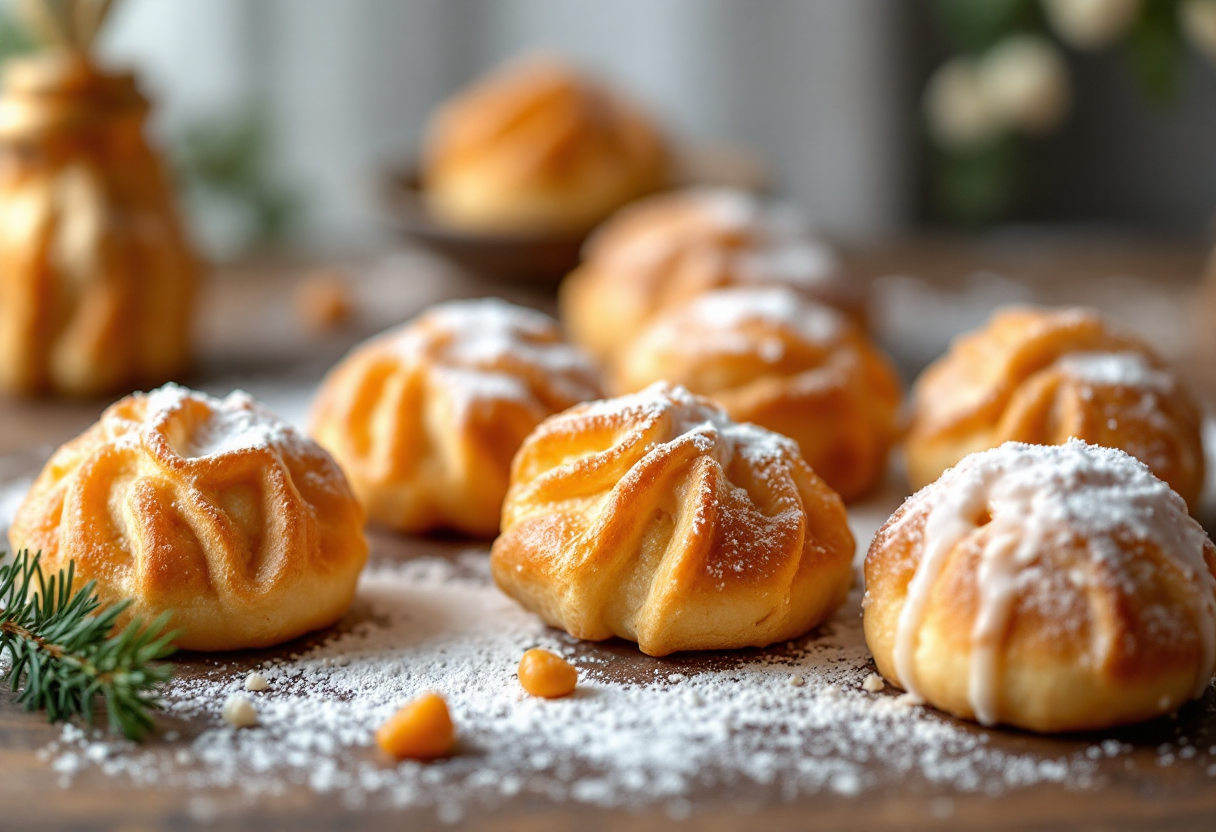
(323,300)
(797,681)
(422,730)
(239,711)
(908,700)
(546,674)
(256,681)
(873,683)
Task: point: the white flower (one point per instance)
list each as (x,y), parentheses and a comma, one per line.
(960,115)
(1091,24)
(1025,81)
(1198,18)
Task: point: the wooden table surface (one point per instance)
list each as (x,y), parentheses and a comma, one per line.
(249,336)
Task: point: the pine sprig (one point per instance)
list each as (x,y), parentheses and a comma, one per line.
(63,656)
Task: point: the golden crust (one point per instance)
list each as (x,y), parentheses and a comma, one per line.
(655,518)
(1042,376)
(1110,616)
(538,148)
(211,508)
(663,251)
(772,357)
(425,418)
(97,280)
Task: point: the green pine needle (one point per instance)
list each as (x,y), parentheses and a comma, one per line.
(63,656)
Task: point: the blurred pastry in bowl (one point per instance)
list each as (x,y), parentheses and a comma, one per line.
(213,508)
(425,418)
(1042,376)
(667,249)
(655,518)
(771,356)
(538,148)
(1053,588)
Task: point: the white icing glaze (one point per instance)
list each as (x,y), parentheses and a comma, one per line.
(1032,497)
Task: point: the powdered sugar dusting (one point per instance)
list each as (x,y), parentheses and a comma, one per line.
(768,242)
(489,349)
(1117,369)
(725,313)
(655,731)
(234,423)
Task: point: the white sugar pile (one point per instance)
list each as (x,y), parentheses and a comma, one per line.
(796,720)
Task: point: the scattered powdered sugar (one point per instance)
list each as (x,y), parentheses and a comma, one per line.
(635,733)
(1117,369)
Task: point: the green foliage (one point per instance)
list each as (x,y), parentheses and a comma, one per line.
(230,159)
(1156,48)
(13,38)
(976,186)
(975,25)
(63,658)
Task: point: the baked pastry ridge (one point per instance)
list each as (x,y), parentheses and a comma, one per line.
(1042,376)
(666,249)
(425,418)
(213,508)
(655,518)
(538,147)
(1055,588)
(773,357)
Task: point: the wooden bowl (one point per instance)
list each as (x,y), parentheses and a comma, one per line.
(529,260)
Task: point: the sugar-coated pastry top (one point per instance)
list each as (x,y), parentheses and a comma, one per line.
(538,146)
(426,417)
(1076,550)
(1044,375)
(655,517)
(670,248)
(213,508)
(772,356)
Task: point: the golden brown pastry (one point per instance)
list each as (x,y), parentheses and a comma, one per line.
(538,148)
(665,250)
(1042,376)
(96,278)
(425,418)
(773,357)
(655,518)
(1050,587)
(212,508)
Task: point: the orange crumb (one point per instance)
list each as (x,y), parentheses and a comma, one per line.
(323,300)
(544,674)
(422,730)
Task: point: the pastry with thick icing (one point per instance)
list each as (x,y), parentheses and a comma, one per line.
(771,356)
(1049,587)
(212,508)
(1044,375)
(655,518)
(425,418)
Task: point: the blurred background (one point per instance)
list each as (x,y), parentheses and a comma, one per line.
(280,116)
